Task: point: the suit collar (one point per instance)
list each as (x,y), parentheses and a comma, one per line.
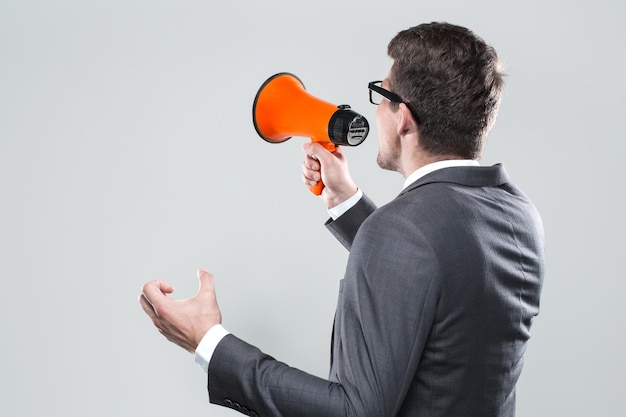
(427,169)
(473,176)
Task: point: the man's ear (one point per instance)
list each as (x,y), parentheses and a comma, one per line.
(407,123)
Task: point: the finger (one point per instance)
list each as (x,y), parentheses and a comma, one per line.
(309,182)
(155,291)
(309,174)
(310,167)
(307,148)
(146,306)
(310,170)
(311,163)
(318,153)
(312,154)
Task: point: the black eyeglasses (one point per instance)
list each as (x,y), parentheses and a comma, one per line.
(377,93)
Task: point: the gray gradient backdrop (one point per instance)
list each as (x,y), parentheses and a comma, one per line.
(127,153)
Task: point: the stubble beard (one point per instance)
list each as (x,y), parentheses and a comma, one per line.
(388,159)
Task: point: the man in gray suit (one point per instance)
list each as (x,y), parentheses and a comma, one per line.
(442,283)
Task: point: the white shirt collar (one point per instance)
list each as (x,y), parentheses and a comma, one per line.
(434,166)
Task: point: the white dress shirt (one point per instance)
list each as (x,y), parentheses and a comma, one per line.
(212,338)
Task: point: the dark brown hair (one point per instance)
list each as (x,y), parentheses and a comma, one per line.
(452,79)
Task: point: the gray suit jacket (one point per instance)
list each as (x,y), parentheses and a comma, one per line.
(433,315)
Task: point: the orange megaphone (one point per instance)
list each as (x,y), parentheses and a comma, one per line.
(282,109)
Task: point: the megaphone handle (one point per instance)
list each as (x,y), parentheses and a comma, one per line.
(317,188)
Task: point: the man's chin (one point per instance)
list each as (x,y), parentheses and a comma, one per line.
(386,164)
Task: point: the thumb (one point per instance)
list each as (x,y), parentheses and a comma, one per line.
(207,283)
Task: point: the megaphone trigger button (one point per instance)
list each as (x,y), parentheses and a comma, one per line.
(343,106)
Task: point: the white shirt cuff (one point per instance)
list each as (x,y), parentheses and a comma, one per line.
(208,344)
(338,210)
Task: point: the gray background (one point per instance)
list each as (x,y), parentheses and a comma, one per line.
(127,153)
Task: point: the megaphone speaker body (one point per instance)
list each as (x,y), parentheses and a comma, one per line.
(283,109)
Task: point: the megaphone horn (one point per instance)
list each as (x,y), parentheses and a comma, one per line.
(283,109)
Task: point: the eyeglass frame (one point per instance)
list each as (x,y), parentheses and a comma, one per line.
(391,96)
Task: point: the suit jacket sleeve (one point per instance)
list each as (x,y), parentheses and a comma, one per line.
(377,340)
(345,227)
